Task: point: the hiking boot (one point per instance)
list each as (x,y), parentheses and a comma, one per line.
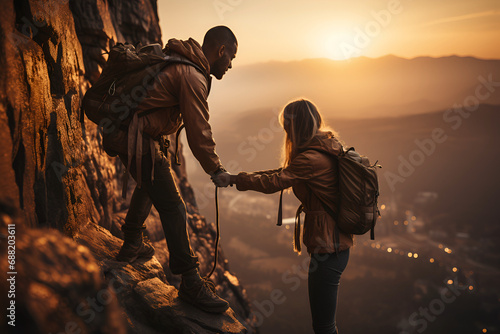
(201,294)
(133,250)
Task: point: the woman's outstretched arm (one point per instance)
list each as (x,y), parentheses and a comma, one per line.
(270,182)
(270,171)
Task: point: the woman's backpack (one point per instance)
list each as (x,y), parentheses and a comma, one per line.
(357,210)
(359,190)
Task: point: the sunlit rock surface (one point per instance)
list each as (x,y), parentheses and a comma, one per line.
(59,287)
(56,176)
(149,299)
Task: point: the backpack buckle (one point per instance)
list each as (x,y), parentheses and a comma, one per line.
(164,144)
(112,88)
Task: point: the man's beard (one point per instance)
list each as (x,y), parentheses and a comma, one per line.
(219,68)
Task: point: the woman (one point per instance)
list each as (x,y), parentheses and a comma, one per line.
(311,171)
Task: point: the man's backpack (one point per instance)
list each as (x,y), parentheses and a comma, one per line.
(124,82)
(357,210)
(112,101)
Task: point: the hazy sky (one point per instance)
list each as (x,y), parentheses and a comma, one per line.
(298,29)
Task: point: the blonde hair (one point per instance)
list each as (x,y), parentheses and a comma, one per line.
(302,122)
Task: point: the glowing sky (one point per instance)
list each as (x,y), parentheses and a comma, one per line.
(298,29)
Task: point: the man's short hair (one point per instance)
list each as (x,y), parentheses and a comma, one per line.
(218,36)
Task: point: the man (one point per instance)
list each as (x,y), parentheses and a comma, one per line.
(179,96)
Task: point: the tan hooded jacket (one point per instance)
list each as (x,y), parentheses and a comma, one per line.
(312,175)
(180,96)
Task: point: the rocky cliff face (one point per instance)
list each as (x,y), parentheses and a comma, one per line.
(56,179)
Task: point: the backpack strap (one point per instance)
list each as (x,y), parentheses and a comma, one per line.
(297,247)
(296,235)
(280,210)
(178,59)
(326,207)
(335,217)
(135,138)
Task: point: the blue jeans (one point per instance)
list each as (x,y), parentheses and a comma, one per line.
(324,277)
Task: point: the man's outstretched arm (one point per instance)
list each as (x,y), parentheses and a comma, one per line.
(193,95)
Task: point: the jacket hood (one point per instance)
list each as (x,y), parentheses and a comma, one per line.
(326,142)
(191,50)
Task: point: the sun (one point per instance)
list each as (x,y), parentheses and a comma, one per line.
(339,45)
(338,39)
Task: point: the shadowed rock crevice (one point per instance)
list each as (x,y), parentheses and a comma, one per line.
(18,167)
(11,121)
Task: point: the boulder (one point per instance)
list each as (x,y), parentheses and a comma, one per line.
(59,286)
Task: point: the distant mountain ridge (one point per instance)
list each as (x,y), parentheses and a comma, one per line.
(357,88)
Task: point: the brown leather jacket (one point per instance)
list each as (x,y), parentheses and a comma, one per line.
(312,175)
(180,96)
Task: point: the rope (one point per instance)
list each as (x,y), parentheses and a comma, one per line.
(177,162)
(217,238)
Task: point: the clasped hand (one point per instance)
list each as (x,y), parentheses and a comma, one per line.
(223,179)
